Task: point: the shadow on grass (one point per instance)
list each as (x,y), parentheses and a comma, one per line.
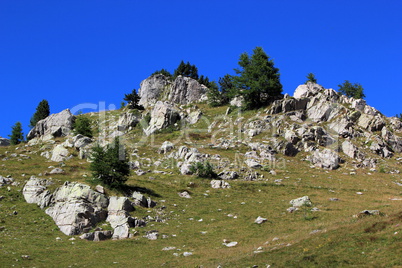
(125,189)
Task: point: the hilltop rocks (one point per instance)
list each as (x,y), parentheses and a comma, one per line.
(183,90)
(162,116)
(56,125)
(307,90)
(186,90)
(151,89)
(76,208)
(4,142)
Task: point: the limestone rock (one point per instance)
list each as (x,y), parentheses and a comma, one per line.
(260,220)
(141,200)
(118,216)
(228,175)
(326,158)
(5,181)
(351,150)
(183,90)
(166,147)
(60,153)
(162,116)
(97,235)
(4,142)
(57,125)
(186,90)
(151,89)
(307,90)
(76,207)
(301,201)
(35,192)
(128,120)
(216,184)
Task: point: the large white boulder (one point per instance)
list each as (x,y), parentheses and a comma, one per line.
(57,125)
(162,116)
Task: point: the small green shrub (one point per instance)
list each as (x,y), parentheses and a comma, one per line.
(203,170)
(82,125)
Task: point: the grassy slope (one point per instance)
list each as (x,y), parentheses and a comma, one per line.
(200,224)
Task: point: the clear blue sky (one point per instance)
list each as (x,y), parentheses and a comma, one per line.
(74,52)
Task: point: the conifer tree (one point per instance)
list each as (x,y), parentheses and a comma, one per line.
(132,99)
(42,111)
(257,79)
(16,136)
(352,90)
(110,165)
(311,78)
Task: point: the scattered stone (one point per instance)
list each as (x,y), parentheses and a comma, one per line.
(100,189)
(260,220)
(166,147)
(230,244)
(301,201)
(186,254)
(152,235)
(368,213)
(216,184)
(185,194)
(168,248)
(56,171)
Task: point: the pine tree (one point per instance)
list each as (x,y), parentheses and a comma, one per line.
(110,165)
(352,90)
(133,99)
(311,78)
(16,136)
(258,80)
(187,70)
(42,111)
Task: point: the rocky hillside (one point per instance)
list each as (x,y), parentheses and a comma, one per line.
(296,148)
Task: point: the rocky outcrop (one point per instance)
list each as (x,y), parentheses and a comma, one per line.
(352,151)
(4,142)
(326,158)
(186,90)
(183,90)
(152,89)
(75,208)
(128,120)
(162,116)
(56,125)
